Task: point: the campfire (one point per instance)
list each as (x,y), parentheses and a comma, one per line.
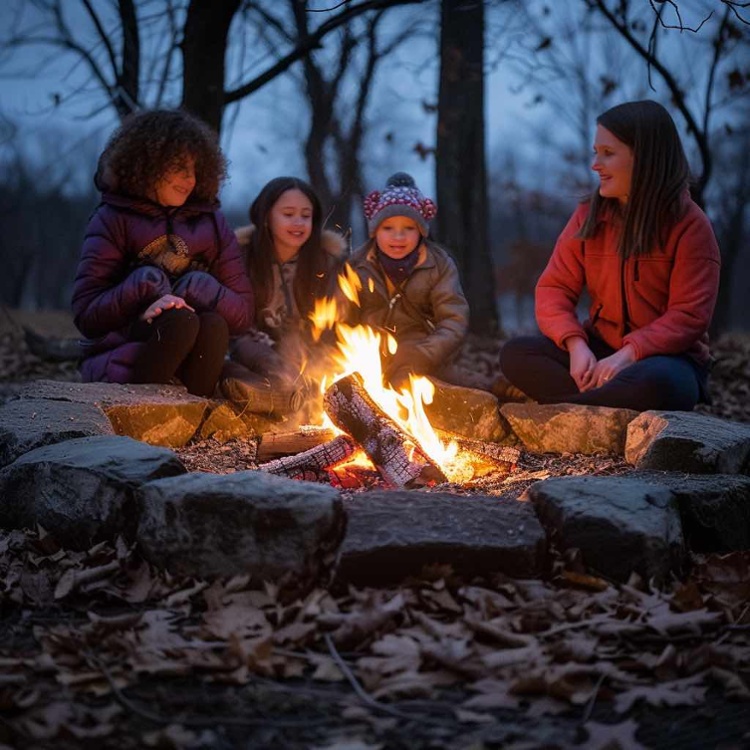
(374,429)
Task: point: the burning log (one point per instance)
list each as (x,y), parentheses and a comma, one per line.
(395,455)
(503,456)
(311,465)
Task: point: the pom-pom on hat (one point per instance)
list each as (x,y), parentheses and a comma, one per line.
(401,197)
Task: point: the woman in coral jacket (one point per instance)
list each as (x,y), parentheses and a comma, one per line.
(648,257)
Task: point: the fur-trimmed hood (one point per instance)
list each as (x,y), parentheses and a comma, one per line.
(333,243)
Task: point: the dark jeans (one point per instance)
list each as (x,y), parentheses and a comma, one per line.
(542,371)
(183,344)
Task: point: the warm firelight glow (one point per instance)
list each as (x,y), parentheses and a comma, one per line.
(359,350)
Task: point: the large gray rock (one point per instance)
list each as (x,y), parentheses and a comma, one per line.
(394,534)
(468,412)
(715,509)
(206,525)
(26,424)
(689,442)
(82,491)
(569,428)
(619,524)
(156,414)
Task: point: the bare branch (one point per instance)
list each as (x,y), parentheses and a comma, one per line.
(312,42)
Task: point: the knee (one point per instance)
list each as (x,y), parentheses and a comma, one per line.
(212,324)
(515,351)
(180,320)
(667,386)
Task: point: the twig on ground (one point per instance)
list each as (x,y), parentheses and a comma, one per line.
(590,705)
(362,694)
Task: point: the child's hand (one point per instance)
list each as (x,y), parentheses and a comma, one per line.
(167,302)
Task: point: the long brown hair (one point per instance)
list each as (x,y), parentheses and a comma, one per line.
(148,144)
(311,263)
(661,176)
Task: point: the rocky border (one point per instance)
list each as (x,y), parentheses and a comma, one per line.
(90,461)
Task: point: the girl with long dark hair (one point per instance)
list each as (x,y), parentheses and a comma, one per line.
(292,262)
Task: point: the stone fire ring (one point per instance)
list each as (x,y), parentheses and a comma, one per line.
(89,462)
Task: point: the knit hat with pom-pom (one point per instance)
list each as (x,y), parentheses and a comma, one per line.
(401,197)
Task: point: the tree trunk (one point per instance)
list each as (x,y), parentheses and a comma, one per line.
(731,236)
(203,50)
(460,170)
(126,98)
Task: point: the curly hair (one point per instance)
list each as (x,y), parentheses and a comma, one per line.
(149,144)
(661,176)
(311,269)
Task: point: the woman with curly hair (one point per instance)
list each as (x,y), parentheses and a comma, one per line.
(292,262)
(648,257)
(160,285)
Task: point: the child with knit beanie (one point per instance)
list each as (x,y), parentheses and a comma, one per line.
(410,285)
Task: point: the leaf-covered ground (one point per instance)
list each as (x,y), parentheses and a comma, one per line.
(99,650)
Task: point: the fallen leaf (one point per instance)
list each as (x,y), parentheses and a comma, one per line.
(612,736)
(685,692)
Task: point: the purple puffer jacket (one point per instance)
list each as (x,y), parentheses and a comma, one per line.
(136,251)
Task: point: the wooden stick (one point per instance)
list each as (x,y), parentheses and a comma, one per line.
(274,445)
(505,456)
(314,461)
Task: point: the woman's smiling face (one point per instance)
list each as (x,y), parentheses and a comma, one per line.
(613,162)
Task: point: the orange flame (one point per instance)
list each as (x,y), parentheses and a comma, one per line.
(359,350)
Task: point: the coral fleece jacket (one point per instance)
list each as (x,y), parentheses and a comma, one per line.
(661,303)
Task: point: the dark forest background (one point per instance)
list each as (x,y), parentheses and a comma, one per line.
(501,202)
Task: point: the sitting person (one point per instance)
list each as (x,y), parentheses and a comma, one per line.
(160,284)
(648,257)
(292,262)
(410,285)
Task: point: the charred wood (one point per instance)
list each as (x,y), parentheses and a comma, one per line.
(395,455)
(311,464)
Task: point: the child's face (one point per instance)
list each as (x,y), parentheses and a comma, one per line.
(175,186)
(397,236)
(290,222)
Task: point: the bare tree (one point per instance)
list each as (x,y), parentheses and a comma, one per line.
(338,125)
(117,67)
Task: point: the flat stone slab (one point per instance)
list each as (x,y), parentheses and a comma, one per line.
(569,428)
(394,534)
(156,414)
(468,412)
(619,524)
(26,424)
(82,491)
(689,442)
(715,509)
(208,525)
